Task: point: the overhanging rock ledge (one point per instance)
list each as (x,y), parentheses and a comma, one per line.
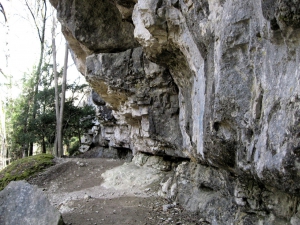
(215,82)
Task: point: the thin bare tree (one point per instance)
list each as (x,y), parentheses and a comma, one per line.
(56,151)
(3,152)
(39,12)
(62,103)
(3,11)
(59,98)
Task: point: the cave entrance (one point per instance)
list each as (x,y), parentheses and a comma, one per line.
(124,153)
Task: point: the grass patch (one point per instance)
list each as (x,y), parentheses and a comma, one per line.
(22,169)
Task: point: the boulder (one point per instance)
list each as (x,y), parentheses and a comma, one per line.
(24,204)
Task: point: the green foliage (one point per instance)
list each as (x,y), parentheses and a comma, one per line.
(74,145)
(24,168)
(23,128)
(18,114)
(77,120)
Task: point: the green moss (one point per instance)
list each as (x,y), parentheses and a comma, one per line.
(24,168)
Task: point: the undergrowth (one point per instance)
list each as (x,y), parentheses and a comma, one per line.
(22,169)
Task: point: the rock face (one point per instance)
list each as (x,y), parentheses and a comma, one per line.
(142,98)
(21,203)
(216,82)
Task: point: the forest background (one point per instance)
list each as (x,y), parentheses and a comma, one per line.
(31,84)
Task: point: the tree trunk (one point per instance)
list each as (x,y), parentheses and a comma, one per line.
(4,78)
(41,34)
(79,133)
(44,150)
(68,146)
(62,103)
(30,152)
(36,88)
(25,129)
(2,135)
(25,151)
(56,152)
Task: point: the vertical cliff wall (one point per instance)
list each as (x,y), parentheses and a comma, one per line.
(215,82)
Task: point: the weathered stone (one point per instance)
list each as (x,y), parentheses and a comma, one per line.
(167,207)
(143,99)
(83,148)
(167,40)
(111,152)
(216,82)
(130,178)
(97,99)
(23,204)
(156,162)
(86,197)
(235,112)
(282,13)
(220,198)
(93,26)
(97,25)
(86,139)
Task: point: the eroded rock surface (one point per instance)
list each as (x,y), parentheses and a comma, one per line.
(22,203)
(239,89)
(143,100)
(215,82)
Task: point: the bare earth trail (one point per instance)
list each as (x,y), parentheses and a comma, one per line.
(106,191)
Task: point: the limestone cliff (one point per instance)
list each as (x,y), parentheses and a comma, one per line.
(216,82)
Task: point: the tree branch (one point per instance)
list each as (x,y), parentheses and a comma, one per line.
(34,20)
(2,71)
(3,12)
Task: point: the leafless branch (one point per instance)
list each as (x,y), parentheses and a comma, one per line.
(2,73)
(34,20)
(3,12)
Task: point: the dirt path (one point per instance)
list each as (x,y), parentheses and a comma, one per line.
(106,191)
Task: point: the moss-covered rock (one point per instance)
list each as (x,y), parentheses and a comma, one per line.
(24,168)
